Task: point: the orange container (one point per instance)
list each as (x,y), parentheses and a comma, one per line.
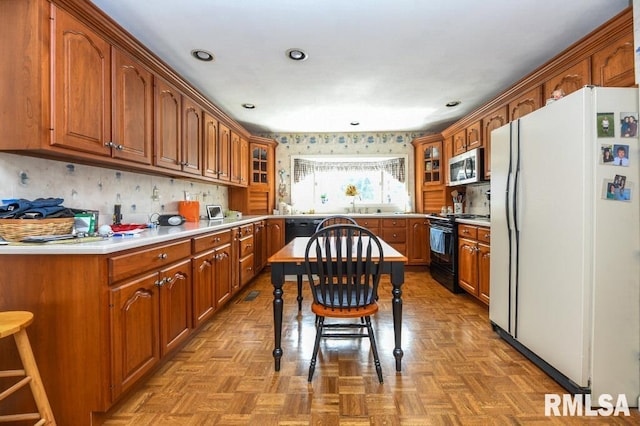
(190,210)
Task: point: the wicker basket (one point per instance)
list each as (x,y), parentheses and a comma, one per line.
(17,229)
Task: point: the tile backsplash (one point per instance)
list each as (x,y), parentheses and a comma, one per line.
(476,199)
(96,188)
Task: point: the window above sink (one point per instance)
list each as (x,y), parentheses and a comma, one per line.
(320,183)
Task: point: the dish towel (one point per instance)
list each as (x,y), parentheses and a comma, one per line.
(436,237)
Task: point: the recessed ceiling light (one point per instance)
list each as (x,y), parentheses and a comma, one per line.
(451,104)
(355,123)
(202,55)
(248,106)
(296,54)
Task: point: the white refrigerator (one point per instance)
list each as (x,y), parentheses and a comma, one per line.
(565,240)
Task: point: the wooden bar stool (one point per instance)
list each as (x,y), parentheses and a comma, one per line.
(15,323)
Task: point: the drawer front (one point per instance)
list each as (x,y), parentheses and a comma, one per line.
(468,231)
(394,236)
(246,246)
(246,269)
(246,230)
(484,235)
(128,265)
(212,240)
(394,223)
(371,224)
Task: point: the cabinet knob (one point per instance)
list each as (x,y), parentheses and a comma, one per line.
(109,144)
(487,235)
(163,256)
(160,283)
(168,280)
(120,147)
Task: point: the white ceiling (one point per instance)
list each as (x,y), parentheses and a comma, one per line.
(391,65)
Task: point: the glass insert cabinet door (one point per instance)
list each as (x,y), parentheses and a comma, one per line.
(259,167)
(431,163)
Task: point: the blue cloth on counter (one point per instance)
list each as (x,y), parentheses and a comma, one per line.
(41,206)
(12,209)
(436,237)
(46,202)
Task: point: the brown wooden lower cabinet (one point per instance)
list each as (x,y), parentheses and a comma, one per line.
(474,254)
(211,267)
(418,245)
(275,235)
(104,322)
(394,232)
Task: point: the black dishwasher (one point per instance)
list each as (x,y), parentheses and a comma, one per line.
(300,227)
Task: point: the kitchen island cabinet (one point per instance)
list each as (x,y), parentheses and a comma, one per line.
(211,274)
(150,314)
(108,313)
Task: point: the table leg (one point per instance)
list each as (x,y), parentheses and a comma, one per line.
(397,279)
(277,279)
(299,293)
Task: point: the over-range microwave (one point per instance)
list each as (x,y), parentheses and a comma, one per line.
(466,168)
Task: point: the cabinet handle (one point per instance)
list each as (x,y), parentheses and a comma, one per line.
(163,256)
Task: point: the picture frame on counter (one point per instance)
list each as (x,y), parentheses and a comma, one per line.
(214,212)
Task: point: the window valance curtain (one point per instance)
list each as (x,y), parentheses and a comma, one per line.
(304,167)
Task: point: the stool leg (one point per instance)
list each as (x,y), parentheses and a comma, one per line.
(31,369)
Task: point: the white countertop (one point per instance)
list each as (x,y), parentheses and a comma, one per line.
(477,222)
(150,236)
(164,234)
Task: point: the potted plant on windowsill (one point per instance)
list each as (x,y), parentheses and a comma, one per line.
(352,191)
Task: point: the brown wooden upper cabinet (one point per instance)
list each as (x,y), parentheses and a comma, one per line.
(259,164)
(192,144)
(430,167)
(460,142)
(132,133)
(210,137)
(491,121)
(103,98)
(474,136)
(224,153)
(525,103)
(467,139)
(239,159)
(81,87)
(178,130)
(613,65)
(447,153)
(569,80)
(168,118)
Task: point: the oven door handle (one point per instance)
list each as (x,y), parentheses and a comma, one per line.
(443,229)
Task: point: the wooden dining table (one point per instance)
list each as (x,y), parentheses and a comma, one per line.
(290,261)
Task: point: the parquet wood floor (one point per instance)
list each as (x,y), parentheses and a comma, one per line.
(456,371)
